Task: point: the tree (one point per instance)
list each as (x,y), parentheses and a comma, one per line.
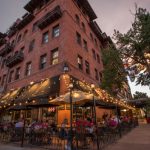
(114,74)
(139,95)
(134,46)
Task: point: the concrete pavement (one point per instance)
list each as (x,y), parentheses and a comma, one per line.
(138,139)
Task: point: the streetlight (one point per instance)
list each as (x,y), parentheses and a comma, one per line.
(71,131)
(94,113)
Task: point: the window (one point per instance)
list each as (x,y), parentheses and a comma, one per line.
(83,27)
(100,76)
(19,38)
(96,42)
(94,54)
(80,62)
(96,74)
(22,50)
(3,63)
(78,38)
(31,45)
(28,69)
(54,56)
(17,74)
(25,33)
(35,27)
(56,31)
(77,19)
(10,76)
(4,79)
(85,44)
(91,36)
(98,59)
(45,38)
(43,61)
(87,67)
(13,43)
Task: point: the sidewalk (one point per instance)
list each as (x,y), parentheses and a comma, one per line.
(138,139)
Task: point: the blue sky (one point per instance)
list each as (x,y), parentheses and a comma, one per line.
(112,14)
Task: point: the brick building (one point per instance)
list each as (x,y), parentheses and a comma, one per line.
(53,35)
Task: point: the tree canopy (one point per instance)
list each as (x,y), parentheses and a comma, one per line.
(134,46)
(139,95)
(113,74)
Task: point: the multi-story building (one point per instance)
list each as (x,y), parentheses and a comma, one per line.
(52,36)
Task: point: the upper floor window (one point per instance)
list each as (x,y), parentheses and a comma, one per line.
(54,56)
(25,33)
(77,19)
(100,76)
(83,27)
(17,74)
(94,54)
(91,36)
(87,67)
(56,31)
(78,38)
(96,74)
(28,69)
(80,62)
(35,27)
(4,79)
(13,43)
(45,38)
(96,42)
(11,76)
(31,45)
(98,59)
(3,63)
(19,38)
(43,61)
(22,50)
(85,45)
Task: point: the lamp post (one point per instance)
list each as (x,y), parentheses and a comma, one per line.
(95,118)
(71,131)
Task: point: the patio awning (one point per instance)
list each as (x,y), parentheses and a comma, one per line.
(78,98)
(110,102)
(9,97)
(39,93)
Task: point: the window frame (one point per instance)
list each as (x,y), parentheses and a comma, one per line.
(17,73)
(78,38)
(87,67)
(56,28)
(45,37)
(28,70)
(43,62)
(10,76)
(80,62)
(31,45)
(53,59)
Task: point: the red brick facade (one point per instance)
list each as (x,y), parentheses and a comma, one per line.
(66,43)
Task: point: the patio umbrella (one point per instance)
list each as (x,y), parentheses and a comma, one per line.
(78,98)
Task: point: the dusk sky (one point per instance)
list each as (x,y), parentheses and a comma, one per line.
(112,14)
